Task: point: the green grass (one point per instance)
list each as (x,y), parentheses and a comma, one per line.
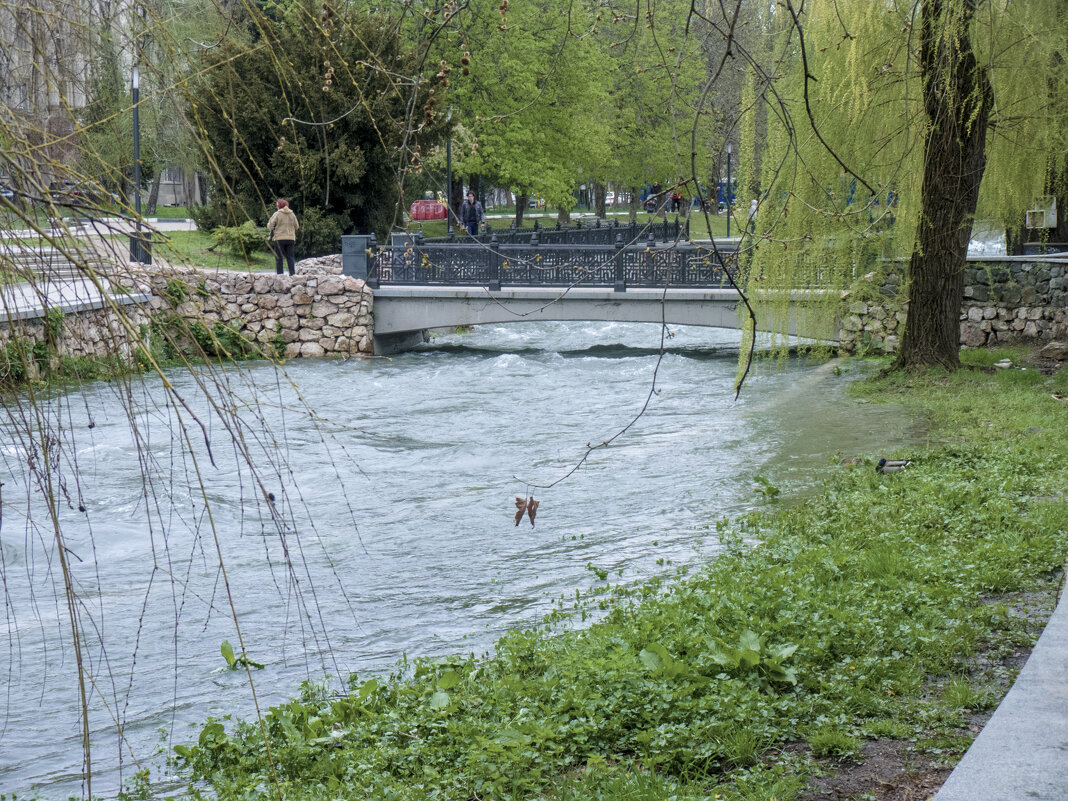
(192,248)
(855,616)
(170,213)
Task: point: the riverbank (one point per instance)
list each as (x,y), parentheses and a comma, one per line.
(878,621)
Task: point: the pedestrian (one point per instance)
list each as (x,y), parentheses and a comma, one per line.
(471,214)
(282,232)
(752,215)
(676,201)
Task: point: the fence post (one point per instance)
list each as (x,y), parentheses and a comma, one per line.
(372,263)
(495,264)
(621,283)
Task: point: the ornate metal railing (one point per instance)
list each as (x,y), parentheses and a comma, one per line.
(496,265)
(599,232)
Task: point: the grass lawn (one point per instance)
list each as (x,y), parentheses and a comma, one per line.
(193,248)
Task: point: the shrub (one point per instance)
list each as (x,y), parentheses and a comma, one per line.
(241,240)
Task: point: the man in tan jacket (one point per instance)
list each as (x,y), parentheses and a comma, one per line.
(283,227)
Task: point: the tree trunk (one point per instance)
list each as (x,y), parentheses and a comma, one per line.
(455,201)
(153,195)
(957,98)
(634,204)
(521,199)
(563,216)
(598,200)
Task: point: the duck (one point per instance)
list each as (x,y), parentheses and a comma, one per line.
(892,465)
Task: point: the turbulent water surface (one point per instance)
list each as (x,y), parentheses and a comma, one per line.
(378,520)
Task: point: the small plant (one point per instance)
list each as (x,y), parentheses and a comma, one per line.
(960,694)
(176,291)
(831,741)
(766,489)
(235,662)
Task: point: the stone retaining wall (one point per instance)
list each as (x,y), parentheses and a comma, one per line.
(317,312)
(95,333)
(1008,299)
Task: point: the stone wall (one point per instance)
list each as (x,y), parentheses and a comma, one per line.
(317,312)
(1007,299)
(95,333)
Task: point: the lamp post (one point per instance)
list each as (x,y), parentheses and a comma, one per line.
(728,188)
(140,245)
(137,144)
(448,173)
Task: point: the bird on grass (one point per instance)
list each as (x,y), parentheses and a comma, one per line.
(892,465)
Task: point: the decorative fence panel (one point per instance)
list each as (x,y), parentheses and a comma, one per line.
(502,264)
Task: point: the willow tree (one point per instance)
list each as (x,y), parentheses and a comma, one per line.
(901,123)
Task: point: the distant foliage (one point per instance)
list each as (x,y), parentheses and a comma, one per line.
(310,106)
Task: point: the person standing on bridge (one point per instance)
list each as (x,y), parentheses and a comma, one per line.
(282,228)
(471,214)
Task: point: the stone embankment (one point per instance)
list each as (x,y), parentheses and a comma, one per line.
(317,312)
(1006,300)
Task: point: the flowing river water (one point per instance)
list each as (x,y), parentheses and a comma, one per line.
(389,526)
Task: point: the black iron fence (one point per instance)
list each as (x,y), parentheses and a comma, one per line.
(598,232)
(495,264)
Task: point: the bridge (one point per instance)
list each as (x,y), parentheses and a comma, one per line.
(419,286)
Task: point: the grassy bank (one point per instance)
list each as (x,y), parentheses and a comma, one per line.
(886,610)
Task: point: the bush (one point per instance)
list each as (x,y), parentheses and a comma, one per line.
(319,234)
(242,240)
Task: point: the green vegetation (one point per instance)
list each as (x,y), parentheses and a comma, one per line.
(856,614)
(200,249)
(698,229)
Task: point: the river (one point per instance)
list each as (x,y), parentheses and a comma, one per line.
(377,520)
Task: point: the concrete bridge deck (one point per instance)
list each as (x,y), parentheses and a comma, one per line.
(402,313)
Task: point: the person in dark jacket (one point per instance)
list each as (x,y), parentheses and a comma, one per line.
(471,214)
(283,227)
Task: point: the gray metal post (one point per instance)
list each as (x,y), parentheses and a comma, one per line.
(621,282)
(495,263)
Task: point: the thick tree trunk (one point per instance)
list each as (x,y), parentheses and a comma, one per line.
(634,204)
(563,216)
(598,200)
(957,99)
(456,199)
(520,206)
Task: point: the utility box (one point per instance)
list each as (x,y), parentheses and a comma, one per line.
(141,247)
(354,257)
(1043,215)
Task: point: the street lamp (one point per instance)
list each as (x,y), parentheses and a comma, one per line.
(448,172)
(137,144)
(728,188)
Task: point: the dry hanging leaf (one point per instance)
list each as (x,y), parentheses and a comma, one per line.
(532,509)
(521,505)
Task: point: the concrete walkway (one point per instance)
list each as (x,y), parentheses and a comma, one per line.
(1022,752)
(32,301)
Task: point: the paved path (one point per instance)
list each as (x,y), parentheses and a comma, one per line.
(1022,752)
(31,301)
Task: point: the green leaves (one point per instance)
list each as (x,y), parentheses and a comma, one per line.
(235,662)
(749,656)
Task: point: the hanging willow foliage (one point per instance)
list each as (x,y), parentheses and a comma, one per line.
(842,191)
